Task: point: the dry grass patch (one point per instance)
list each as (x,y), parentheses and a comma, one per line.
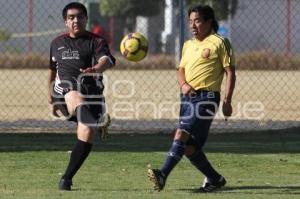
(258,60)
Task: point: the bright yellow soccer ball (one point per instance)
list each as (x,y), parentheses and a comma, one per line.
(134,47)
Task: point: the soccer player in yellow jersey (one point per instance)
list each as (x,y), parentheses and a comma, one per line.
(205,59)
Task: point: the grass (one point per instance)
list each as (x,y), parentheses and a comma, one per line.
(257,165)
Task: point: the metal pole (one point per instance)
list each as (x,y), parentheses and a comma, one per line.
(111,32)
(181,25)
(229,19)
(288,28)
(88,7)
(30,25)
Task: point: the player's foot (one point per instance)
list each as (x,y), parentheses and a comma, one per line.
(210,186)
(65,184)
(102,126)
(157,178)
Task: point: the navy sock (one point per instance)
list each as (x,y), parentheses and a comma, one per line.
(78,155)
(174,156)
(199,160)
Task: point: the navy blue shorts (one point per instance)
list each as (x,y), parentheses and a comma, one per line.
(197,111)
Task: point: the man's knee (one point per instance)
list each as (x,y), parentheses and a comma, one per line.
(85,133)
(189,150)
(181,135)
(196,154)
(191,147)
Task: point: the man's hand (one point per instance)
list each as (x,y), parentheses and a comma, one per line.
(227,109)
(50,99)
(54,112)
(103,125)
(103,63)
(229,87)
(88,70)
(186,88)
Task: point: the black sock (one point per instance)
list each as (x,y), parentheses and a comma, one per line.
(199,160)
(78,155)
(85,116)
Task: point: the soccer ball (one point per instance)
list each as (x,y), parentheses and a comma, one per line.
(134,47)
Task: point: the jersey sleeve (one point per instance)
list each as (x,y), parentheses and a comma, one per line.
(52,58)
(183,60)
(226,54)
(101,49)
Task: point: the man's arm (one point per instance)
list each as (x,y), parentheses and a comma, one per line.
(51,78)
(183,85)
(229,88)
(181,77)
(103,63)
(230,83)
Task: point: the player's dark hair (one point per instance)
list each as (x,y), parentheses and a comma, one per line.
(207,13)
(75,5)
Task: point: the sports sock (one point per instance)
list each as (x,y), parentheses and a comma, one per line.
(85,116)
(78,155)
(174,156)
(199,160)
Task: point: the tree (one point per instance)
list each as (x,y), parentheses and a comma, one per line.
(222,8)
(130,9)
(4,35)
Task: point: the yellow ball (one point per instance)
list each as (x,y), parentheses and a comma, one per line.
(134,47)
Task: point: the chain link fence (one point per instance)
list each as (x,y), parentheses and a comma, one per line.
(144,96)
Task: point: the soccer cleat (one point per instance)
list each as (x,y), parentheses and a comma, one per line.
(157,178)
(210,186)
(65,184)
(102,126)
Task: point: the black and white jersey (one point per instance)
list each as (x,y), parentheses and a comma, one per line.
(68,55)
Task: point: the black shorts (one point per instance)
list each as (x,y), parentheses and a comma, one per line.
(92,93)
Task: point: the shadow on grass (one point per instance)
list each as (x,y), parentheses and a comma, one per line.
(263,189)
(282,189)
(283,141)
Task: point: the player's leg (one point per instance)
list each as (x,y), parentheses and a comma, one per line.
(158,177)
(213,179)
(86,120)
(194,147)
(98,110)
(82,148)
(176,152)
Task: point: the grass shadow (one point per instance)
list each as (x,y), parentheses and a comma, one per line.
(281,141)
(257,189)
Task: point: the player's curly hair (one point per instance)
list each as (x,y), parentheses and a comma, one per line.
(72,5)
(207,13)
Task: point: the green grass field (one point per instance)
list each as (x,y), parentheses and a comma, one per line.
(257,165)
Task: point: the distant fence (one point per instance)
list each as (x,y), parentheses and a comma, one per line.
(144,96)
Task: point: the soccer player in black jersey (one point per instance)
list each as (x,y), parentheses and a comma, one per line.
(77,60)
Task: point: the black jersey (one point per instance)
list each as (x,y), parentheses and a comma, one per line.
(68,55)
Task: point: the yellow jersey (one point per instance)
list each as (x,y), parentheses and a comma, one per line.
(204,61)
